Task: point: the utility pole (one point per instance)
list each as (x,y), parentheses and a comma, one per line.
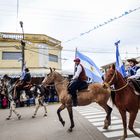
(22,45)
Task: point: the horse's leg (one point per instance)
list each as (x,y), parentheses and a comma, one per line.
(13,108)
(131,123)
(36,109)
(45,109)
(123,115)
(70,111)
(18,115)
(10,114)
(62,107)
(108,110)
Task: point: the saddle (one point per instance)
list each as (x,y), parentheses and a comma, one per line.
(136,85)
(28,86)
(83,87)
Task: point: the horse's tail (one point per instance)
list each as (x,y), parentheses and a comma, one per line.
(113,96)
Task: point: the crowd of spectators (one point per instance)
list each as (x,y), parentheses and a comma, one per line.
(52,98)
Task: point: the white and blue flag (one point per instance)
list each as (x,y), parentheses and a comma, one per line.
(92,71)
(119,65)
(23,72)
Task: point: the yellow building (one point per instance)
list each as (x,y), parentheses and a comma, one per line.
(41,52)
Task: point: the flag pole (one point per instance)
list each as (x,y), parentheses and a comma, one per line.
(74,58)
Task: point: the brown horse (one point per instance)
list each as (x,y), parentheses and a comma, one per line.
(125,99)
(94,93)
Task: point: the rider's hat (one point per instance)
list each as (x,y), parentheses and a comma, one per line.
(133,60)
(76,60)
(26,69)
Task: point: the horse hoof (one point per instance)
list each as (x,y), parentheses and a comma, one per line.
(70,130)
(63,123)
(137,135)
(33,116)
(8,118)
(105,127)
(19,117)
(45,115)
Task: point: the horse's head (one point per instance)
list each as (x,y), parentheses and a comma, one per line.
(5,77)
(110,76)
(52,77)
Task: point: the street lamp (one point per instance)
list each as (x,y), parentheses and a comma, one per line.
(22,44)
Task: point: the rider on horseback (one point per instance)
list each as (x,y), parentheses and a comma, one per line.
(22,83)
(134,75)
(133,66)
(78,81)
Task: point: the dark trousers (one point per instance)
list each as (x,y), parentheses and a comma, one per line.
(74,86)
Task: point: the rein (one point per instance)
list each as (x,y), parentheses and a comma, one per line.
(120,88)
(115,90)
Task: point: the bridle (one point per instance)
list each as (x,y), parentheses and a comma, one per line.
(112,78)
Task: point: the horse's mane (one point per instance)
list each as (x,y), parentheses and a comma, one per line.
(120,76)
(60,75)
(62,78)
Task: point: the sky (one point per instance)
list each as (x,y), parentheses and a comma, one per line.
(73,22)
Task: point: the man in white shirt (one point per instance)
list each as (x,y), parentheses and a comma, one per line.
(78,80)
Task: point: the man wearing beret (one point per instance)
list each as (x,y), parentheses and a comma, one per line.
(78,80)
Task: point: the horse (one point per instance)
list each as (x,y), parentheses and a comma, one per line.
(124,98)
(40,93)
(94,93)
(36,91)
(8,84)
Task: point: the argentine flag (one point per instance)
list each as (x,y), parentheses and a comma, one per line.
(23,72)
(119,65)
(92,71)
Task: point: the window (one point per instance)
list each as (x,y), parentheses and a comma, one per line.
(53,58)
(11,55)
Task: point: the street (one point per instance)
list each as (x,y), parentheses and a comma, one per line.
(88,124)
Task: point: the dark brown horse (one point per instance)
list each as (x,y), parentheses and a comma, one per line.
(94,93)
(125,99)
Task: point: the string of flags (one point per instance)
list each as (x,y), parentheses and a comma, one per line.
(104,23)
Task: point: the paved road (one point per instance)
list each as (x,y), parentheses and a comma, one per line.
(88,125)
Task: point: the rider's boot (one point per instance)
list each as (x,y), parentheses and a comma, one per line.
(74,100)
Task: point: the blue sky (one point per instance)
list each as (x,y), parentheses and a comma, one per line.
(67,19)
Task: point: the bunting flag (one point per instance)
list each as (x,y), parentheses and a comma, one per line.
(119,65)
(92,71)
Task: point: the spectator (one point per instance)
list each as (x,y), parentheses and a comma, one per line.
(4,102)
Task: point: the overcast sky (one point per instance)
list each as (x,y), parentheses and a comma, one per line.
(67,19)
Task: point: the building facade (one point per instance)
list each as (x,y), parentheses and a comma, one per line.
(40,53)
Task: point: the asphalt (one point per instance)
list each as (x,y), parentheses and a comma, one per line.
(45,128)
